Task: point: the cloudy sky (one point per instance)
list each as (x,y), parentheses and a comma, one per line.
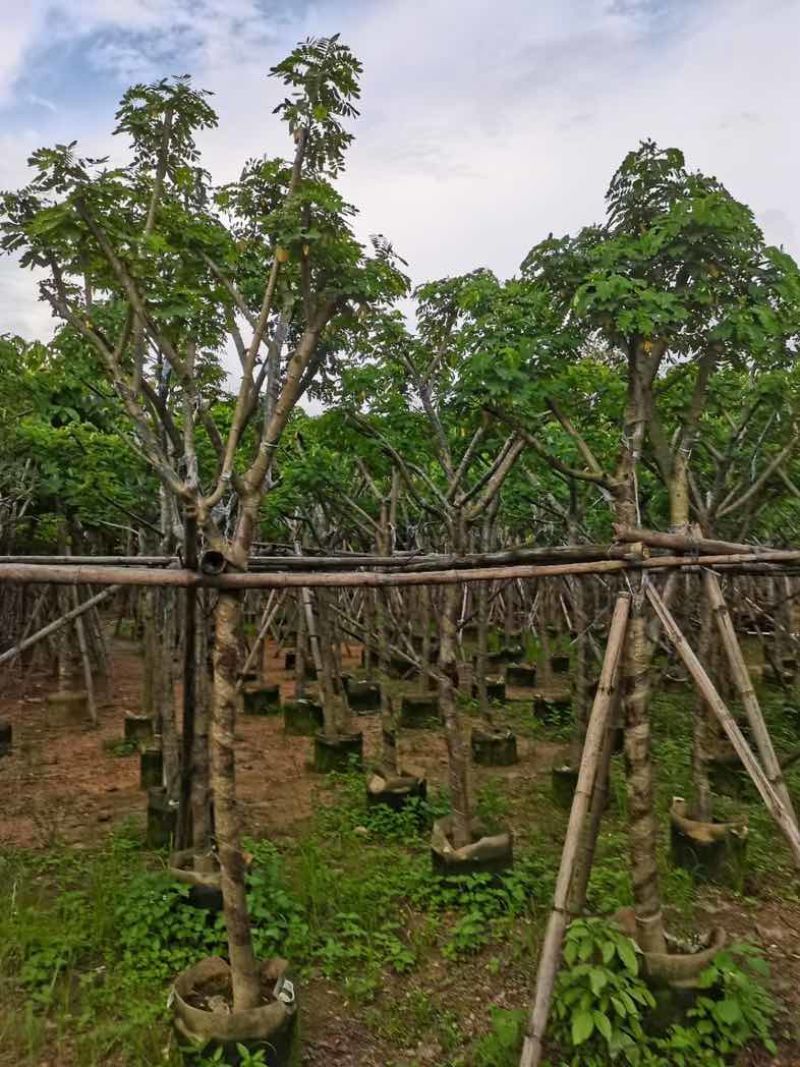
(485,124)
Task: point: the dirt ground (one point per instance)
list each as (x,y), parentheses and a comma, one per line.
(63,782)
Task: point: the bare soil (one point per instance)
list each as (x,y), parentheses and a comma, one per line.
(63,781)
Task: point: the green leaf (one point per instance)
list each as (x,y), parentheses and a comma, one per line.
(627,954)
(603,1024)
(728,1011)
(582,1027)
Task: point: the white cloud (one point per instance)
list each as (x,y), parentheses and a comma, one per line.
(484,126)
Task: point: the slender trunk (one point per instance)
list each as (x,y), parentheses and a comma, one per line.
(200,799)
(67,667)
(88,680)
(457,751)
(149,648)
(369,601)
(703,803)
(189,684)
(301,648)
(389,725)
(643,831)
(482,657)
(322,654)
(580,677)
(545,625)
(508,622)
(679,491)
(425,622)
(331,681)
(103,652)
(165,724)
(244,972)
(643,363)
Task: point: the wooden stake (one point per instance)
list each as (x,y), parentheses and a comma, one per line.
(747,694)
(592,750)
(717,705)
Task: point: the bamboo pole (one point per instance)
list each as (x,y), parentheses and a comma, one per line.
(105,561)
(592,751)
(682,542)
(411,562)
(744,685)
(53,627)
(86,575)
(775,806)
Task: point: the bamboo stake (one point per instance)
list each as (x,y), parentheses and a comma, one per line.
(592,750)
(744,685)
(83,648)
(53,627)
(775,806)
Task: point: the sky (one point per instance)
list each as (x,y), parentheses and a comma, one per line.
(484,125)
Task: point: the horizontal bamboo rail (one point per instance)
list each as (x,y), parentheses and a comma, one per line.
(412,562)
(96,561)
(406,561)
(179,578)
(684,542)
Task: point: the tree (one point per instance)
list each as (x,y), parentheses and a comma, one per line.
(159,271)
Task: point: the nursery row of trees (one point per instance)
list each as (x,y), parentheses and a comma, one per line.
(639,373)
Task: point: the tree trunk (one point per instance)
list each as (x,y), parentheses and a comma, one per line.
(147,599)
(164,692)
(482,657)
(244,973)
(200,800)
(389,724)
(334,704)
(186,761)
(643,829)
(88,680)
(301,648)
(643,361)
(425,623)
(457,752)
(580,678)
(703,804)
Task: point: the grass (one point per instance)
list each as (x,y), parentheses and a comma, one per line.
(91,938)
